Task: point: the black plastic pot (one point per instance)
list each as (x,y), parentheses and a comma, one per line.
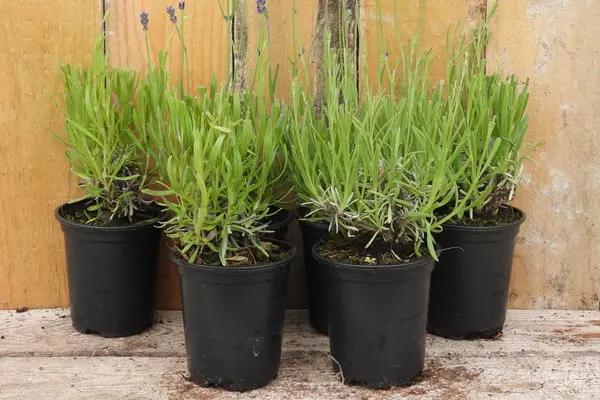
(111,274)
(469,286)
(377,321)
(317,275)
(233,318)
(279,223)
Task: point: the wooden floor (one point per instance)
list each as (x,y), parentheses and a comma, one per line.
(542,355)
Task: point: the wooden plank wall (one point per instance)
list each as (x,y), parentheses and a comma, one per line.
(429,22)
(35,38)
(35,177)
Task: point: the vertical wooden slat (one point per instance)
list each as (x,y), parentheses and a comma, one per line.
(240,45)
(207,40)
(284,45)
(432,20)
(36,37)
(555,46)
(206,36)
(330,15)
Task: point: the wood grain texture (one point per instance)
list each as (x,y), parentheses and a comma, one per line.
(303,375)
(558,252)
(206,36)
(401,21)
(207,39)
(36,37)
(291,27)
(542,354)
(289,42)
(339,18)
(44,333)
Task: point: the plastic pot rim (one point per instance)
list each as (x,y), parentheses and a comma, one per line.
(59,215)
(261,267)
(489,228)
(314,225)
(407,266)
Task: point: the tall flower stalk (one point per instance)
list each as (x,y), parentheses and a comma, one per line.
(144,21)
(179,24)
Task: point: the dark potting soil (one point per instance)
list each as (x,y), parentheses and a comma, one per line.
(249,256)
(505,215)
(353,251)
(85,217)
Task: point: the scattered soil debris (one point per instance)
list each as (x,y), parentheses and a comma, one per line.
(449,381)
(589,335)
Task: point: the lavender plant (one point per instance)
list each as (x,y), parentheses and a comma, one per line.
(100,140)
(179,24)
(261,7)
(151,112)
(219,158)
(381,160)
(493,124)
(374,166)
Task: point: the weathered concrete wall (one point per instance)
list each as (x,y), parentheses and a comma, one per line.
(556,44)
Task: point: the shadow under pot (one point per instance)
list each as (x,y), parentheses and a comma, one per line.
(317,275)
(233,321)
(470,283)
(377,321)
(111,272)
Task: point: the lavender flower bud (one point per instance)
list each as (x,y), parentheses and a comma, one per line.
(172,15)
(261,7)
(182,5)
(144,20)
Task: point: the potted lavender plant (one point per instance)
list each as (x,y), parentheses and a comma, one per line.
(218,154)
(111,237)
(373,168)
(469,288)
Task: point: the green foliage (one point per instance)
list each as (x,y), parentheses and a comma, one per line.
(219,157)
(493,124)
(151,113)
(400,158)
(100,141)
(220,154)
(376,165)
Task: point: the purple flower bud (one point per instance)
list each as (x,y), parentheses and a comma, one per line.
(144,20)
(261,7)
(172,15)
(182,5)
